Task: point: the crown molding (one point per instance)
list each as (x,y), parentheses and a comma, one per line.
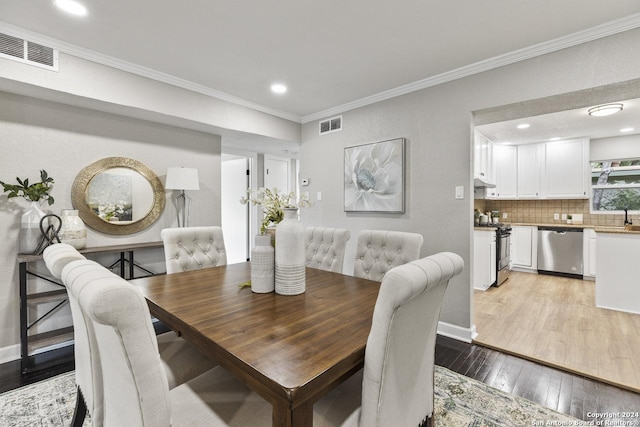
(610,28)
(129,67)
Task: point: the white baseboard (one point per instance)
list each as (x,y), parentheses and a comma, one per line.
(457,332)
(9,353)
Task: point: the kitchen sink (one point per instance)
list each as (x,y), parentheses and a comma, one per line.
(632,227)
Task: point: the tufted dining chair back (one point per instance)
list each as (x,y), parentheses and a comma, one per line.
(57,256)
(191,248)
(379,251)
(325,247)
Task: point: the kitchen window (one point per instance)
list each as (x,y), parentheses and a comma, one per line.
(615,185)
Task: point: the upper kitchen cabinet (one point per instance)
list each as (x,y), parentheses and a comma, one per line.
(566,169)
(483,170)
(505,159)
(530,169)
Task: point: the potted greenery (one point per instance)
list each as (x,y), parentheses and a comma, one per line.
(30,224)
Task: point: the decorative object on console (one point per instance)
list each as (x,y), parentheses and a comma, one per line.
(73,231)
(182,179)
(30,235)
(374,177)
(118,195)
(262,265)
(290,255)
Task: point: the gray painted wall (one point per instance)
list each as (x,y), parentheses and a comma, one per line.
(62,139)
(437,124)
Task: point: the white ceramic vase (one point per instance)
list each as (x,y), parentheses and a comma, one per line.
(73,231)
(262,265)
(290,255)
(30,235)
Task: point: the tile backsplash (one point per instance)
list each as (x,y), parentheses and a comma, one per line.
(541,211)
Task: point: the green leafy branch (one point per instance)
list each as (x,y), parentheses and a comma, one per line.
(33,192)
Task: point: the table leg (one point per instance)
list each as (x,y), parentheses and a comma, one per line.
(301,416)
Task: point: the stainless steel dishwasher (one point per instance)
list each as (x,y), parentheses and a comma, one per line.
(560,251)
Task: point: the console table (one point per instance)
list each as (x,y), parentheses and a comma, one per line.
(29,344)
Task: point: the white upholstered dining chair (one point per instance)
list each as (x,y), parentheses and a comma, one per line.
(379,251)
(395,387)
(135,386)
(57,256)
(180,360)
(325,247)
(191,248)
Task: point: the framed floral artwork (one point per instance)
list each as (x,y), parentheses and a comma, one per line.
(374,177)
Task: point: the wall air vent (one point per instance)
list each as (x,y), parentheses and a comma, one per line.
(27,52)
(333,124)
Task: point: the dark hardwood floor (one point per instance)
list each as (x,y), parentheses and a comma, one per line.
(555,389)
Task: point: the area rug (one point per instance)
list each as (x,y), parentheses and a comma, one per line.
(459,401)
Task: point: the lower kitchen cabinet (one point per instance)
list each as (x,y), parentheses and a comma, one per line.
(484,258)
(589,253)
(524,248)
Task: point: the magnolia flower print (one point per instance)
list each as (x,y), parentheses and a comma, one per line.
(373,177)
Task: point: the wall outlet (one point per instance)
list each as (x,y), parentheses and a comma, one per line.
(564,217)
(319,195)
(504,215)
(556,216)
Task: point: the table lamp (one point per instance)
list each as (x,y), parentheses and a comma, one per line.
(182,179)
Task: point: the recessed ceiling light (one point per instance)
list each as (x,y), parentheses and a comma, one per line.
(278,88)
(605,110)
(523,125)
(71,6)
(627,130)
(555,138)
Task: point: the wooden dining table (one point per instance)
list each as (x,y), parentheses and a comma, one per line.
(291,350)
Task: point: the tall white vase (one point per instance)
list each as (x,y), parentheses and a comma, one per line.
(290,255)
(73,231)
(262,265)
(30,234)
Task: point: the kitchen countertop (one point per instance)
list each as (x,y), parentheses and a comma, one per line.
(597,228)
(487,228)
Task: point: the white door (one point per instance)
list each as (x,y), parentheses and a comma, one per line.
(235,216)
(276,174)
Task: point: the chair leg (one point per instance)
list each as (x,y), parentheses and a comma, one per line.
(81,410)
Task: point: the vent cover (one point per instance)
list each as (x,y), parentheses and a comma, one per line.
(28,52)
(333,124)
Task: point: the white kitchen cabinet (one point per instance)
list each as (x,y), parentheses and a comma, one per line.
(483,159)
(567,169)
(484,258)
(589,253)
(530,168)
(524,248)
(506,166)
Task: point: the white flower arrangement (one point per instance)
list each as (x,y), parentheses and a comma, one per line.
(273,204)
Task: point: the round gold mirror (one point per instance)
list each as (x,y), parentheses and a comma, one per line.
(118,195)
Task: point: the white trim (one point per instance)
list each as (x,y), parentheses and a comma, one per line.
(9,353)
(606,307)
(129,67)
(457,332)
(610,28)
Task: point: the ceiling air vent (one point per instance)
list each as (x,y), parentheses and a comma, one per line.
(333,124)
(28,52)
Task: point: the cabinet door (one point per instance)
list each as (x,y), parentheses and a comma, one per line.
(483,158)
(529,170)
(482,259)
(522,246)
(589,252)
(506,164)
(567,169)
(492,263)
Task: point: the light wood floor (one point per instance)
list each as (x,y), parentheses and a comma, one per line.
(554,320)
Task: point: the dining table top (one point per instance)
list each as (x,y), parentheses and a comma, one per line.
(289,349)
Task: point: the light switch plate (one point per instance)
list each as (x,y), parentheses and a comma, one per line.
(319,195)
(564,217)
(459,192)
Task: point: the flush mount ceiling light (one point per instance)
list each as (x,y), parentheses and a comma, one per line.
(71,6)
(605,110)
(523,125)
(624,130)
(278,88)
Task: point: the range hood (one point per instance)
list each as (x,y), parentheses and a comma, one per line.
(479,182)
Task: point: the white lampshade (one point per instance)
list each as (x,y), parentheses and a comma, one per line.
(182,179)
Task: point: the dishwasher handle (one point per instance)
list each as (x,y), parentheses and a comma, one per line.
(561,230)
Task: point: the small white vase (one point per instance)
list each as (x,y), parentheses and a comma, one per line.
(73,231)
(30,235)
(290,255)
(262,265)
